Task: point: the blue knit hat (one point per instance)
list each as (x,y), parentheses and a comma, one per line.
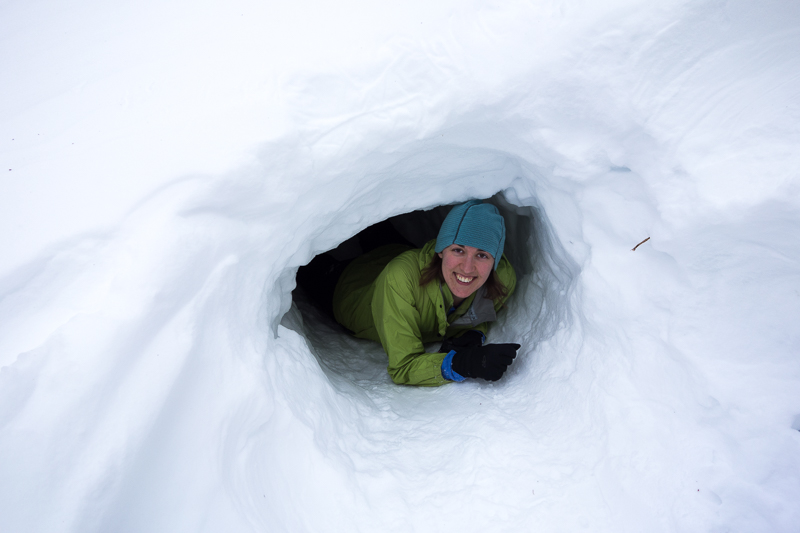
(474,224)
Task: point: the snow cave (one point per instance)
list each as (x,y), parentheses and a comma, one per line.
(160,372)
(545,279)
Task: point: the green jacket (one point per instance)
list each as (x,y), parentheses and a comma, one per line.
(378,297)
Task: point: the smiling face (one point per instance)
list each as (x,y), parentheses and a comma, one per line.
(465,269)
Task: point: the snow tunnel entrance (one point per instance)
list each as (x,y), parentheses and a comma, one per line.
(535,311)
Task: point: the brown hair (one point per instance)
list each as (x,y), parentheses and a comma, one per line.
(494,287)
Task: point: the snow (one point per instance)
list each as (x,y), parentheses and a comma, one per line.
(167,166)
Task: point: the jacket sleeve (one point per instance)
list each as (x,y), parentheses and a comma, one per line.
(397,321)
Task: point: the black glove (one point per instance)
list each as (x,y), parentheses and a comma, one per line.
(472,337)
(486,362)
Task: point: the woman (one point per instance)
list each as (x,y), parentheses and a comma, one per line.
(449,289)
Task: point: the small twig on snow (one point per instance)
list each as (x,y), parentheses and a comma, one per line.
(638,245)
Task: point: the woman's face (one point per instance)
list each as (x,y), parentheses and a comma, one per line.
(465,269)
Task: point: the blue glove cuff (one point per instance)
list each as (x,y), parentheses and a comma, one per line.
(447,368)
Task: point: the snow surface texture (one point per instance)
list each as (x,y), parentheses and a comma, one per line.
(168,165)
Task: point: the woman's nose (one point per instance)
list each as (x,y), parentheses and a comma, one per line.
(468,263)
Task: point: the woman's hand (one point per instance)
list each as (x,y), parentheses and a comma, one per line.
(486,362)
(472,337)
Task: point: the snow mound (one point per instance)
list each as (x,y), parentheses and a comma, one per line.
(156,375)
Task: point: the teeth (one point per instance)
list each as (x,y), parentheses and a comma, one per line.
(462,279)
